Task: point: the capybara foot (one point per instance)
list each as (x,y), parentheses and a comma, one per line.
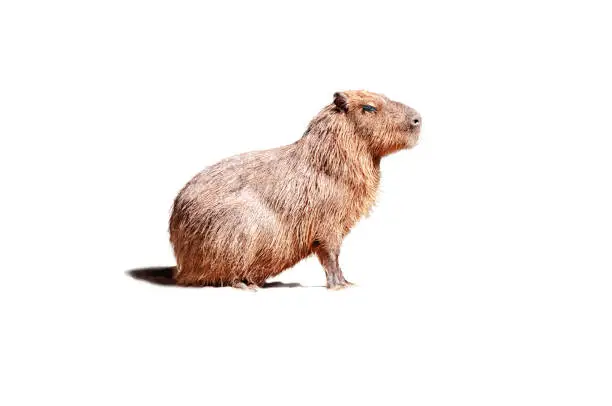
(340,285)
(244,286)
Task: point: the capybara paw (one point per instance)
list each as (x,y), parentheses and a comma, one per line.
(340,285)
(244,286)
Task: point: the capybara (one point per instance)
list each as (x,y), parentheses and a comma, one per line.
(249,217)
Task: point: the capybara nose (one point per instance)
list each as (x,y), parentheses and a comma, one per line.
(416,121)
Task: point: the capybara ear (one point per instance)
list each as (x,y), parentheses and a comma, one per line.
(341,101)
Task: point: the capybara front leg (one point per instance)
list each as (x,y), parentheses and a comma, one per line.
(329,259)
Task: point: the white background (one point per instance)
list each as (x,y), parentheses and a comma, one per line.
(484,273)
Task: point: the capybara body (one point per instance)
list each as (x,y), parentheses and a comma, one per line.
(249,217)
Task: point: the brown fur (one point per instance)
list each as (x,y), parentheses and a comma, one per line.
(249,217)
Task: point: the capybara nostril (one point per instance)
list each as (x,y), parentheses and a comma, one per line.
(416,121)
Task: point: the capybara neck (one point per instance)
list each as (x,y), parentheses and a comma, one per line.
(331,145)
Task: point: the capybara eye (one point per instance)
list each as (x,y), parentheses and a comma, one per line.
(367,107)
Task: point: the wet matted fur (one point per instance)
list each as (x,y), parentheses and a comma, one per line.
(251,216)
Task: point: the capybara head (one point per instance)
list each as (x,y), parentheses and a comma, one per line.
(386,125)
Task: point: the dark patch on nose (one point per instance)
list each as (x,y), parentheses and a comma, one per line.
(416,121)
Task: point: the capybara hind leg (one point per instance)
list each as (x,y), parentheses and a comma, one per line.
(328,256)
(188,280)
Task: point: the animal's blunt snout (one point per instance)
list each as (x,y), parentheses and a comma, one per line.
(415,119)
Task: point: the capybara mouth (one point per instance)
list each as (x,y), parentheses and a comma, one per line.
(413,137)
(411,131)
